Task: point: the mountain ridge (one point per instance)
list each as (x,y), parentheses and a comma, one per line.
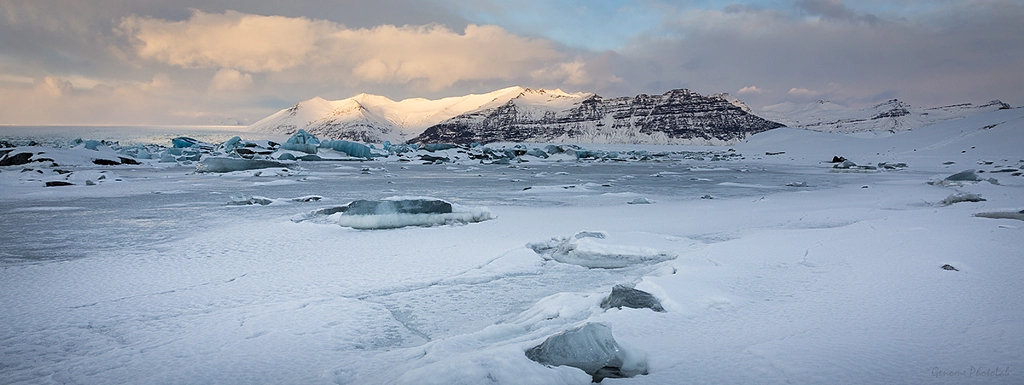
(548,115)
(888,117)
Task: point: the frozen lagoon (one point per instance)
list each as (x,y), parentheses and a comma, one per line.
(155,279)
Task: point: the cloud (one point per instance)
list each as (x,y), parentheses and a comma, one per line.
(54,87)
(230,40)
(432,56)
(750,90)
(954,53)
(803,92)
(227,79)
(570,73)
(832,9)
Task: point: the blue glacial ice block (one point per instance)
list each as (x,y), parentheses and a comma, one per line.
(221,164)
(589,347)
(184,142)
(302,141)
(404,206)
(351,148)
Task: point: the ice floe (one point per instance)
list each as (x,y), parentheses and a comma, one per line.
(589,249)
(397,212)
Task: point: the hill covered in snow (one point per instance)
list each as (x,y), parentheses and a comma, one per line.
(372,118)
(888,117)
(523,114)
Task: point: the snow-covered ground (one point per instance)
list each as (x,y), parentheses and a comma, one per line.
(771,268)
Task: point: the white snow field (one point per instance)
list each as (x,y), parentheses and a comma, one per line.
(772,269)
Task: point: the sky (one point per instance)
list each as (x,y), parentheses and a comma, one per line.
(237,61)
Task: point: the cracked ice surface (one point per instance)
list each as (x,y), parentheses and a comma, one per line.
(157,279)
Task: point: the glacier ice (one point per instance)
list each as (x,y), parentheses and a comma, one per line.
(964,176)
(392,213)
(249,201)
(625,296)
(591,348)
(351,148)
(1018,215)
(405,206)
(640,201)
(221,164)
(302,141)
(588,249)
(959,197)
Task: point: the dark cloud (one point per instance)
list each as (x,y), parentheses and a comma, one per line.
(962,53)
(832,9)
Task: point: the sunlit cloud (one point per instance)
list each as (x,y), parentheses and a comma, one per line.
(433,55)
(54,87)
(750,90)
(803,92)
(227,79)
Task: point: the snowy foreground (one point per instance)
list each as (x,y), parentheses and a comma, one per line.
(787,271)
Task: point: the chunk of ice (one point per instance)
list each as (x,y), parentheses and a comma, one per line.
(590,347)
(397,212)
(588,249)
(220,164)
(405,206)
(625,296)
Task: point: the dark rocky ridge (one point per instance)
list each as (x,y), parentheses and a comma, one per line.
(678,116)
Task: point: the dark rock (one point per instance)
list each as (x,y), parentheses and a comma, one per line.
(949,267)
(625,296)
(6,144)
(838,159)
(105,162)
(432,159)
(408,206)
(55,183)
(16,159)
(774,153)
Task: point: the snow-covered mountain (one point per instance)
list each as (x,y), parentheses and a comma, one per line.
(891,116)
(372,118)
(523,114)
(675,117)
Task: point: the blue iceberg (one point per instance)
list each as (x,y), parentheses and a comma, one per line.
(302,141)
(351,148)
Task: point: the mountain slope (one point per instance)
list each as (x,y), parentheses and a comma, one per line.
(675,117)
(523,114)
(891,116)
(372,118)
